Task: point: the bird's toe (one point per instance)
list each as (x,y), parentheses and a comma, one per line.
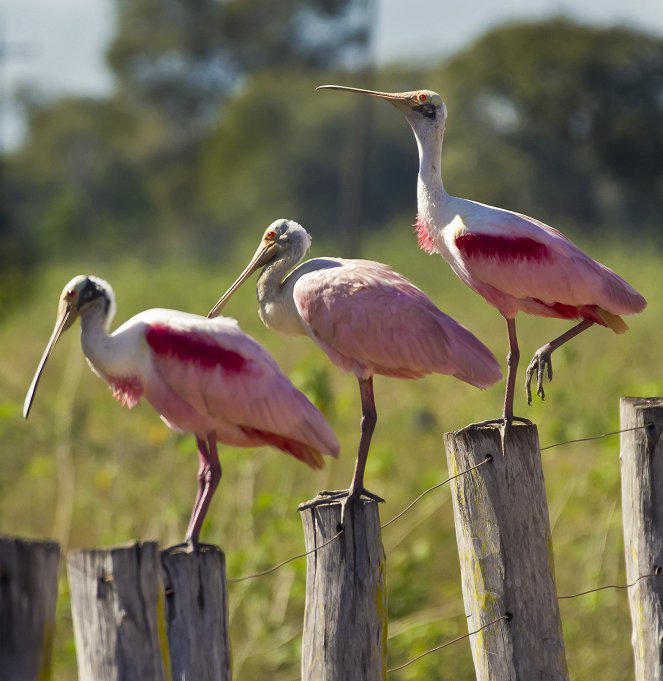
(540,365)
(323,497)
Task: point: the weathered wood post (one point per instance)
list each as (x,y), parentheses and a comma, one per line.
(197,613)
(345,621)
(505,551)
(642,510)
(28,592)
(115,600)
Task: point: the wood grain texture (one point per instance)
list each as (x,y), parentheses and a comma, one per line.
(642,510)
(115,597)
(28,592)
(197,613)
(506,558)
(345,622)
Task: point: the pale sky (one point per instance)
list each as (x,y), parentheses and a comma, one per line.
(58,45)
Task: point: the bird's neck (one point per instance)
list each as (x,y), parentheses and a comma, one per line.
(274,290)
(96,342)
(430,189)
(272,276)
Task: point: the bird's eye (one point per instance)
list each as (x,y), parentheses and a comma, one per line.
(71,293)
(271,234)
(423,97)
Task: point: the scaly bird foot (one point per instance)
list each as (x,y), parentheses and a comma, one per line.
(504,424)
(501,422)
(190,545)
(541,361)
(332,494)
(345,496)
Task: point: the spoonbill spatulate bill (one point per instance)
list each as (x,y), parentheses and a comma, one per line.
(203,376)
(515,262)
(367,318)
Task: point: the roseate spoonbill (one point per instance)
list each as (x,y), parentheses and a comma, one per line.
(515,262)
(367,318)
(201,375)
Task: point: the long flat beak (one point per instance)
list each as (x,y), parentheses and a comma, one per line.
(64,316)
(261,257)
(393,97)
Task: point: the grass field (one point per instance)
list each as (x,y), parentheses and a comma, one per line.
(89,473)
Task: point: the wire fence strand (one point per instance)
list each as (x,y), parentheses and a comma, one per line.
(417,499)
(338,534)
(596,437)
(488,459)
(274,568)
(507,616)
(656,573)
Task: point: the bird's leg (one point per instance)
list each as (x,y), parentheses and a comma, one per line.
(356,490)
(542,360)
(512,360)
(209,475)
(203,469)
(369,417)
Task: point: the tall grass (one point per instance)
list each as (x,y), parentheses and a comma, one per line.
(90,473)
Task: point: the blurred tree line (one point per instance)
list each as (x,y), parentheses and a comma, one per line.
(214,129)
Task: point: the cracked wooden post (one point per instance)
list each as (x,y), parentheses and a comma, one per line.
(505,551)
(197,613)
(28,592)
(345,621)
(641,454)
(117,607)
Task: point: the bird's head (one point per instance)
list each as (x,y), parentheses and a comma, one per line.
(282,238)
(422,108)
(82,293)
(78,297)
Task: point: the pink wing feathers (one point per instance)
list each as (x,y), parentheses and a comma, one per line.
(230,380)
(508,254)
(371,320)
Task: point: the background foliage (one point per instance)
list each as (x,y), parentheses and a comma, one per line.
(213,131)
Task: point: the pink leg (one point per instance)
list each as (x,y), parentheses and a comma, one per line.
(512,360)
(209,475)
(203,467)
(542,359)
(368,420)
(369,417)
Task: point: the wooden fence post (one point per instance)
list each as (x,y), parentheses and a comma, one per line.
(197,613)
(345,621)
(642,510)
(28,592)
(505,551)
(115,598)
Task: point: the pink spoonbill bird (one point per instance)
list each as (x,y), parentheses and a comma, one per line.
(367,319)
(515,262)
(204,376)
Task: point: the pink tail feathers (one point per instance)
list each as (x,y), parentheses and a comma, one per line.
(475,363)
(304,451)
(316,432)
(313,436)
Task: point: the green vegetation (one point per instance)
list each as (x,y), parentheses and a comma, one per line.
(163,189)
(90,473)
(554,119)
